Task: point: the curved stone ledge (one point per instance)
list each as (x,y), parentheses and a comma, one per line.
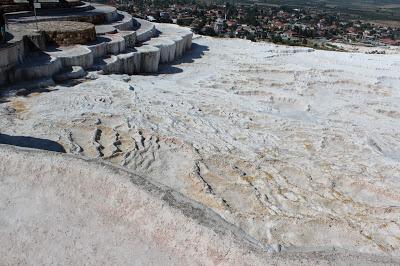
(130,62)
(107,65)
(60,6)
(105,29)
(116,45)
(125,63)
(179,44)
(99,48)
(188,37)
(167,48)
(112,43)
(129,37)
(149,58)
(36,68)
(99,15)
(146,31)
(77,56)
(125,24)
(172,31)
(110,16)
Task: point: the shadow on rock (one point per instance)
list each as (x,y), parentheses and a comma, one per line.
(196,52)
(27,92)
(168,69)
(9,37)
(31,142)
(26,88)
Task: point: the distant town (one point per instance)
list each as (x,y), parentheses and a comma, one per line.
(279,24)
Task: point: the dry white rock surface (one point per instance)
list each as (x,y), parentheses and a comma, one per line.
(65,210)
(298,148)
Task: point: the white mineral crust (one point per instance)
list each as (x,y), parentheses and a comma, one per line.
(299,148)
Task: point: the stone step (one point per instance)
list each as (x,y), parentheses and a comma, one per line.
(84,55)
(129,37)
(71,8)
(110,13)
(125,63)
(107,65)
(125,24)
(99,47)
(130,62)
(110,53)
(112,43)
(171,44)
(188,37)
(105,29)
(36,66)
(116,45)
(146,31)
(176,33)
(167,48)
(143,59)
(179,45)
(113,51)
(74,72)
(78,55)
(149,58)
(94,13)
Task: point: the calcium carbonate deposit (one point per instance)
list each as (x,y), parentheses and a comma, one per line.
(299,148)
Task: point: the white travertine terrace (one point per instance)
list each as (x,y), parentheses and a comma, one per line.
(295,146)
(118,37)
(149,58)
(240,153)
(130,62)
(74,56)
(167,48)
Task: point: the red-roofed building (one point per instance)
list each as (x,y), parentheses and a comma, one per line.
(389,41)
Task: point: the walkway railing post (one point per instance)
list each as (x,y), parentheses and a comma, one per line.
(34,11)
